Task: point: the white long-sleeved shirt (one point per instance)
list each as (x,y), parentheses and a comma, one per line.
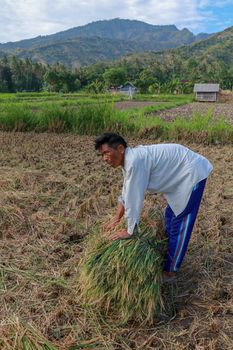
(170,169)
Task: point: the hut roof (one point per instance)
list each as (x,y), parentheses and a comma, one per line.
(127,84)
(206,88)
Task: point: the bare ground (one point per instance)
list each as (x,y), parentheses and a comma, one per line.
(54,188)
(223,109)
(134,104)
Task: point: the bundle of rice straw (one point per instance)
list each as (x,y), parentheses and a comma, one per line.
(123,278)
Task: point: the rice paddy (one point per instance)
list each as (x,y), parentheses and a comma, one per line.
(90,114)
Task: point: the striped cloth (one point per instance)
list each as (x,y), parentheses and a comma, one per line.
(179,228)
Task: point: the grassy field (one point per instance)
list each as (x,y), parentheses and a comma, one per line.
(90,114)
(54,192)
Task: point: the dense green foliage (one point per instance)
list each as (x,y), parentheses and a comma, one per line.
(18,75)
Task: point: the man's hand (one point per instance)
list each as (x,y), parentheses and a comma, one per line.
(111,225)
(117,218)
(122,234)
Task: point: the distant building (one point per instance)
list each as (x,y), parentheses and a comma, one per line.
(207,92)
(128,89)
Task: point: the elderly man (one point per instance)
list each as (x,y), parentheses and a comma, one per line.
(172,169)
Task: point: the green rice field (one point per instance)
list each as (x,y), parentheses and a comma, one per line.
(86,114)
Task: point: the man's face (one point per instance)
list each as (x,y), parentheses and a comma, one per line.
(113,156)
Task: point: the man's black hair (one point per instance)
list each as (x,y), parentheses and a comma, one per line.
(111,139)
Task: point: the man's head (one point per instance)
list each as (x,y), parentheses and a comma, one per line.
(112,148)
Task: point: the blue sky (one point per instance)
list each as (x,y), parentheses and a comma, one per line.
(23,19)
(221,16)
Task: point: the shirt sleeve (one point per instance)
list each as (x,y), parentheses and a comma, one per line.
(135,184)
(121,198)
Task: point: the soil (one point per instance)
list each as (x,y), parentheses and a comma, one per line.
(134,104)
(224,110)
(219,109)
(54,191)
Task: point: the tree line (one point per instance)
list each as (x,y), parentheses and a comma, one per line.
(166,74)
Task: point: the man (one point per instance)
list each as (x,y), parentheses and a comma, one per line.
(172,169)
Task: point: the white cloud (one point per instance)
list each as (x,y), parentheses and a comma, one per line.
(21,19)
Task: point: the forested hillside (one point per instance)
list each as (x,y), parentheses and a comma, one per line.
(78,52)
(101,40)
(174,70)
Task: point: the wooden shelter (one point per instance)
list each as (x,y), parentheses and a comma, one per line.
(207,92)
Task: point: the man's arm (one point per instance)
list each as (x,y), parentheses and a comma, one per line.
(135,185)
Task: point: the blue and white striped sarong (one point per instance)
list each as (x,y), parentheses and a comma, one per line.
(179,228)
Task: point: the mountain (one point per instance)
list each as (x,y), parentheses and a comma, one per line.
(101,40)
(79,51)
(217,47)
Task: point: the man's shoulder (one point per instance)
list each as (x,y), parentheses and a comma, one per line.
(134,157)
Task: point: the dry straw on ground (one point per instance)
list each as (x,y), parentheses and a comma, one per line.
(45,179)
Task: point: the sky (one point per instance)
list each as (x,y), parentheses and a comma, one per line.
(24,19)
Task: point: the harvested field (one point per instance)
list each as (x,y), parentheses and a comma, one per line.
(224,110)
(54,190)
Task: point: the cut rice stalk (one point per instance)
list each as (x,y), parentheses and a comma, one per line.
(123,278)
